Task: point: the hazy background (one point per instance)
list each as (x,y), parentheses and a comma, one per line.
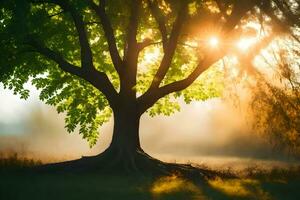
(210,132)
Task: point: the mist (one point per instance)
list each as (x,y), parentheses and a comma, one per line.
(202,132)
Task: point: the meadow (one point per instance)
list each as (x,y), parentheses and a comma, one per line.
(17,182)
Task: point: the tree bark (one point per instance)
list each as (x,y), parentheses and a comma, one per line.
(125,140)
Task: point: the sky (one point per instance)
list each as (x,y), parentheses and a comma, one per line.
(201,132)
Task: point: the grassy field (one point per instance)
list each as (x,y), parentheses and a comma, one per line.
(252,183)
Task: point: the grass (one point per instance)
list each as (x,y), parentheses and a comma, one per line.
(13,162)
(252,183)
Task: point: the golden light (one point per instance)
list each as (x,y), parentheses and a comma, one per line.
(152,55)
(149,57)
(238,188)
(245,43)
(214,41)
(172,185)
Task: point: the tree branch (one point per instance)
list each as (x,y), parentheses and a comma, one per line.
(148,99)
(131,51)
(56,14)
(152,95)
(235,17)
(160,19)
(86,53)
(131,42)
(171,47)
(96,78)
(147,42)
(109,34)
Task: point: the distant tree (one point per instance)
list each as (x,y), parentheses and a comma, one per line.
(276,104)
(92,59)
(271,100)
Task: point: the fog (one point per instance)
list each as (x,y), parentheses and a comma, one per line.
(210,132)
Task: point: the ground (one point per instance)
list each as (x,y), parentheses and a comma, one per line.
(17,183)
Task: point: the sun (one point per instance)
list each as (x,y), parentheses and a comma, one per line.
(213,41)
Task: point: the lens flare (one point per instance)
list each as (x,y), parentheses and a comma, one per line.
(214,42)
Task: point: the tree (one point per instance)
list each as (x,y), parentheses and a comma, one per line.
(89,58)
(276,107)
(270,100)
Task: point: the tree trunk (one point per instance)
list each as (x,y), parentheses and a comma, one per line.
(124,153)
(125,140)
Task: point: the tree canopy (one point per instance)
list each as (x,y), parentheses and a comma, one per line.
(87,57)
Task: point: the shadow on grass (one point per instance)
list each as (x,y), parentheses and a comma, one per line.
(17,183)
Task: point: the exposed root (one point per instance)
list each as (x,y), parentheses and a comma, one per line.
(115,161)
